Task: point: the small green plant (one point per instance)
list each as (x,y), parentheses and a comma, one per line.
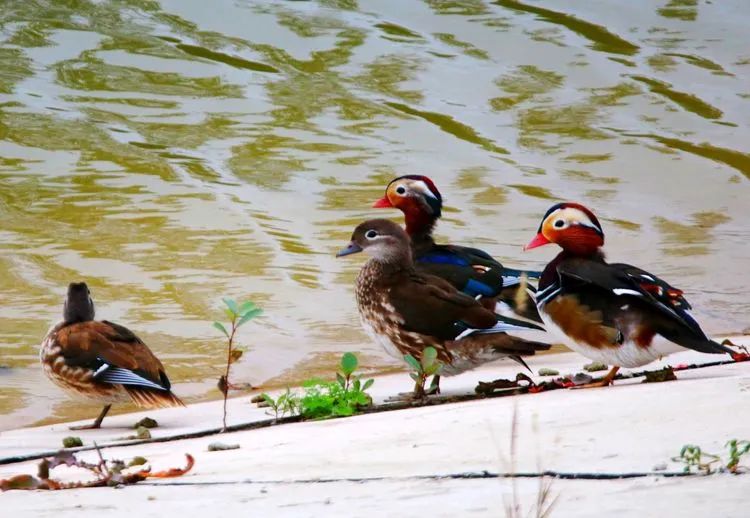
(323,400)
(736,450)
(349,364)
(237,315)
(422,369)
(694,458)
(286,404)
(343,397)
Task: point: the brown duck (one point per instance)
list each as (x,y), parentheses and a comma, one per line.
(406,311)
(102,360)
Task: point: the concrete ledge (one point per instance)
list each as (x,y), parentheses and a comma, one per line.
(409,462)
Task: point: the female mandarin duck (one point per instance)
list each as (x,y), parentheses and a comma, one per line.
(103,361)
(470,270)
(617,314)
(406,311)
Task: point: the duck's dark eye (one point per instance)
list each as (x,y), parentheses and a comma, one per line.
(401,190)
(371,234)
(559,223)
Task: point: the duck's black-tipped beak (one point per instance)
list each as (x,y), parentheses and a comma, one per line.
(351,248)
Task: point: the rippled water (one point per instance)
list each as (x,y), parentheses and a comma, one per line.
(174,152)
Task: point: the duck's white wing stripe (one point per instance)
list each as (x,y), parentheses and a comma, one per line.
(626,291)
(118,376)
(500,327)
(546,297)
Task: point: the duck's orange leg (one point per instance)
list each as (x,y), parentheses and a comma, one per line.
(97,423)
(606,380)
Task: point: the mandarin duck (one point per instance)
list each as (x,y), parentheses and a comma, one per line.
(406,311)
(470,270)
(102,360)
(613,313)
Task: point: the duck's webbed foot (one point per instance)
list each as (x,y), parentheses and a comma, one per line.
(97,422)
(605,381)
(434,388)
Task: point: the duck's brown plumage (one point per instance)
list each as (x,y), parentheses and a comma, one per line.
(407,311)
(83,356)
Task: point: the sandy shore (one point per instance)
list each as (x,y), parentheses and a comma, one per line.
(445,460)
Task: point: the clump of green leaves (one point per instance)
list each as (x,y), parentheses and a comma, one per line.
(341,398)
(697,460)
(286,404)
(325,399)
(428,365)
(238,315)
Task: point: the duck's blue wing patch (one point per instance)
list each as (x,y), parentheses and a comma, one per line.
(443,257)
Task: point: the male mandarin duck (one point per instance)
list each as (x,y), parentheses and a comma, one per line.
(470,270)
(406,311)
(102,361)
(614,313)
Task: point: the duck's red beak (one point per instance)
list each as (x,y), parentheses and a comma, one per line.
(382,203)
(539,240)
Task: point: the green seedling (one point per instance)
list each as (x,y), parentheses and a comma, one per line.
(349,364)
(694,458)
(423,368)
(238,315)
(736,450)
(286,404)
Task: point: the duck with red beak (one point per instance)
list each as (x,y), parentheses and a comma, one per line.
(613,313)
(470,270)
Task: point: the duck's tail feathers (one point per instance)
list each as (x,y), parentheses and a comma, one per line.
(148,398)
(717,348)
(518,359)
(504,325)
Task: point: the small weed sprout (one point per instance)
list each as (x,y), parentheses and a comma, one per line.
(422,369)
(695,458)
(237,315)
(736,450)
(286,404)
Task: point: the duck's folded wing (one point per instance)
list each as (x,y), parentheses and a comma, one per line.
(114,353)
(652,292)
(431,306)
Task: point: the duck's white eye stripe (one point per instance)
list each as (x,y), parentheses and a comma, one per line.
(424,189)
